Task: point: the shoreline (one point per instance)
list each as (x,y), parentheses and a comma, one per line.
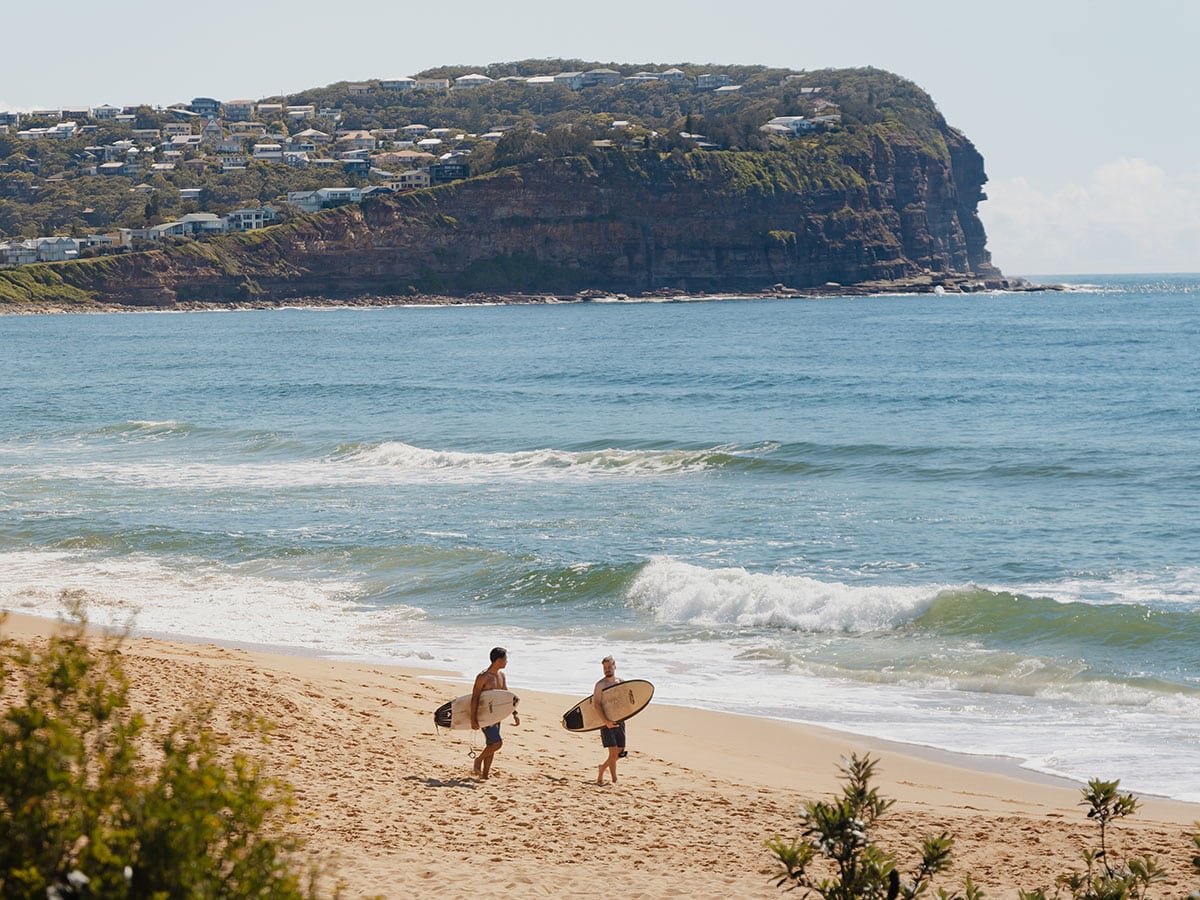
(390,802)
(984,764)
(924,284)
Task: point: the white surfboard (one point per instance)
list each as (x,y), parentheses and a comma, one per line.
(621,701)
(494,706)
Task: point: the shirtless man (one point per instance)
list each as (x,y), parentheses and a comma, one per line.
(490,679)
(612,735)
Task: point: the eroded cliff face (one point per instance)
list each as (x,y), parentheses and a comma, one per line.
(883,207)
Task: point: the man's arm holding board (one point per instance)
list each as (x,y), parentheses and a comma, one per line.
(481,683)
(598,703)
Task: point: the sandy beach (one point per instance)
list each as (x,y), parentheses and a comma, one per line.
(392,807)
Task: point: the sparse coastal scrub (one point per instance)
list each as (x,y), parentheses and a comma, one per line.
(92,803)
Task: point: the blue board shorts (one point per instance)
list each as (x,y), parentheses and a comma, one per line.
(492,734)
(613,737)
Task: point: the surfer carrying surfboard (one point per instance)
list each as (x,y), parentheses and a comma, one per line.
(612,735)
(490,679)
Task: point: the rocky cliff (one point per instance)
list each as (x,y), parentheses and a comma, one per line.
(874,204)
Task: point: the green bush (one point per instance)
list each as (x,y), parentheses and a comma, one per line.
(840,831)
(92,801)
(1104,877)
(1195,895)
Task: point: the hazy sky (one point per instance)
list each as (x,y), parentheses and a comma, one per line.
(1084,110)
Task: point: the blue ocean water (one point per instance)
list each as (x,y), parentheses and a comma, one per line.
(968,522)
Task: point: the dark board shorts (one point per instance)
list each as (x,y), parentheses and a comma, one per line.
(492,734)
(613,737)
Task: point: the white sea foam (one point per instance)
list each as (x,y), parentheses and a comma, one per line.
(387,463)
(681,593)
(401,457)
(190,599)
(1175,587)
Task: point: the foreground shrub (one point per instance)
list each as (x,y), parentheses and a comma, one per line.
(1195,895)
(1106,878)
(840,832)
(85,809)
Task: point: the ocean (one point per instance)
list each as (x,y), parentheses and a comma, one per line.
(964,522)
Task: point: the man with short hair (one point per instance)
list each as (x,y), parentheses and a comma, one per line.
(490,679)
(612,735)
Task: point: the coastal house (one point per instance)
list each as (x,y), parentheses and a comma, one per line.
(34,250)
(789,126)
(190,225)
(61,131)
(432,84)
(410,181)
(472,80)
(572,80)
(409,158)
(205,106)
(268,152)
(101,241)
(183,142)
(105,112)
(397,84)
(243,130)
(593,77)
(795,125)
(323,198)
(710,81)
(446,171)
(313,136)
(356,140)
(211,132)
(250,218)
(238,110)
(303,111)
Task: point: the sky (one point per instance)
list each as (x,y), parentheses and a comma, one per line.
(1084,110)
